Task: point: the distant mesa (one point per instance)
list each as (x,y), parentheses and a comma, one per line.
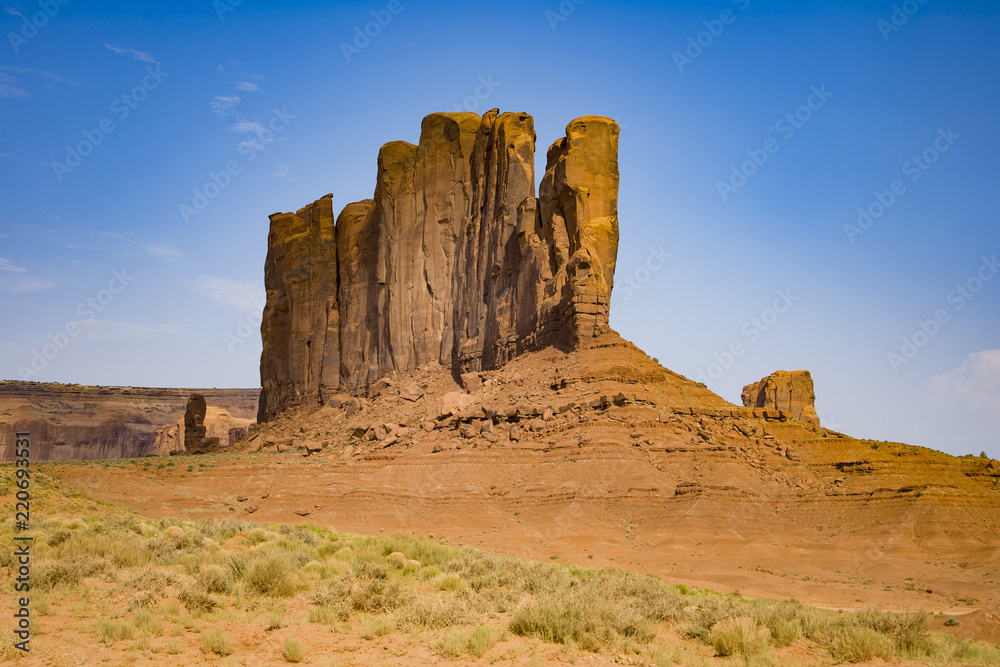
(455,261)
(79,422)
(202,430)
(789,391)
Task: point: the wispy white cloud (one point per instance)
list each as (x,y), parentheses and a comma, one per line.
(246,86)
(131,53)
(284,172)
(975,383)
(248,126)
(164,251)
(240,296)
(7,265)
(23,284)
(11,87)
(224,107)
(103,330)
(13,11)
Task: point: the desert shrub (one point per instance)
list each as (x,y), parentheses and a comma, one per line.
(294,650)
(371,570)
(711,610)
(376,595)
(217,641)
(584,616)
(435,613)
(238,565)
(482,639)
(196,598)
(68,571)
(271,573)
(141,600)
(429,572)
(275,618)
(781,620)
(453,644)
(375,626)
(418,547)
(329,615)
(110,632)
(255,535)
(909,632)
(147,625)
(397,559)
(740,635)
(449,582)
(855,643)
(215,578)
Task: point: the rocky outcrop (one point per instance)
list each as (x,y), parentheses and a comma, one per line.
(196,440)
(217,429)
(790,391)
(454,261)
(79,422)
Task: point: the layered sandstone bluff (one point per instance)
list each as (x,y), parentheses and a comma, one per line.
(790,391)
(455,261)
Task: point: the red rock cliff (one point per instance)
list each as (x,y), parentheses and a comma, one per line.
(454,261)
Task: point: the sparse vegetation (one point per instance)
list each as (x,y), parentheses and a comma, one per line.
(217,641)
(173,577)
(294,650)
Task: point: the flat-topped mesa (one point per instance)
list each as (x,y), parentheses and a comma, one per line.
(791,391)
(453,261)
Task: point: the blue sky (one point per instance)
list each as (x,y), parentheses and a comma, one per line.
(753,132)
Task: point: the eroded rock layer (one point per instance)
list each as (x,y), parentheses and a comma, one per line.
(790,391)
(454,261)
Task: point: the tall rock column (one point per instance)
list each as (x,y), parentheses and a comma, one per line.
(579,211)
(300,327)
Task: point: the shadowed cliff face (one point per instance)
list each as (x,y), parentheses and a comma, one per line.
(454,261)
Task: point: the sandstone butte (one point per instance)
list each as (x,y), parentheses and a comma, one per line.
(455,261)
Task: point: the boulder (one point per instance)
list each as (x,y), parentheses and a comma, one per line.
(449,404)
(411,392)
